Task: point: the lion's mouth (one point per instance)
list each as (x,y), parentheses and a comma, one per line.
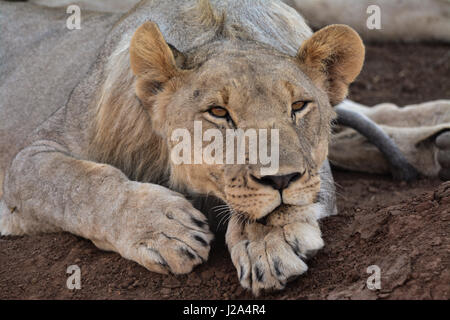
(263,220)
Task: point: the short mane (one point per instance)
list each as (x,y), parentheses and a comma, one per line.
(123,134)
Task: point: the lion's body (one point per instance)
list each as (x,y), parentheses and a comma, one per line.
(52,68)
(87,116)
(41,64)
(61,97)
(84,128)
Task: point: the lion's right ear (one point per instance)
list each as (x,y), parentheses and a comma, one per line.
(152,60)
(333,58)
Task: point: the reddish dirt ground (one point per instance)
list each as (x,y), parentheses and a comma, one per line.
(402,228)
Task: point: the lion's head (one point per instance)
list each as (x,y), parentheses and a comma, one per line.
(229,84)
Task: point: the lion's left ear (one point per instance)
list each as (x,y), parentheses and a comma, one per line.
(152,60)
(333,58)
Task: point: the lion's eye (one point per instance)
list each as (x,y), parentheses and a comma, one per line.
(299,106)
(218,112)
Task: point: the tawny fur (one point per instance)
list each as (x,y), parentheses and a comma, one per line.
(99,167)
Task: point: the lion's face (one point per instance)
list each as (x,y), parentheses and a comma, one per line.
(250,89)
(242,86)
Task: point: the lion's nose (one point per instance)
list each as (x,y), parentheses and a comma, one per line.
(279,182)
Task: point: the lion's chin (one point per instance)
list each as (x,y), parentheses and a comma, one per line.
(280,208)
(268,213)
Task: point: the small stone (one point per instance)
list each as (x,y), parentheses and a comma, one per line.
(171,282)
(207,274)
(239,291)
(424,206)
(165,291)
(396,212)
(194,280)
(436,241)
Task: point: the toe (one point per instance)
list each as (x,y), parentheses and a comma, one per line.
(443,141)
(444,158)
(152,259)
(189,218)
(163,253)
(262,277)
(283,261)
(180,257)
(241,261)
(304,238)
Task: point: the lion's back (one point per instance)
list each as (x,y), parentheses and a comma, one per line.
(41,63)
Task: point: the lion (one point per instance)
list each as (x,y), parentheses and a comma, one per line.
(86,145)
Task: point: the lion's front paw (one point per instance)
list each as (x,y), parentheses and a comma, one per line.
(172,240)
(174,252)
(267,257)
(443,144)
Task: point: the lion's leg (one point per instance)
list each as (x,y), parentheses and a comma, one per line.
(154,226)
(12,223)
(420,131)
(267,256)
